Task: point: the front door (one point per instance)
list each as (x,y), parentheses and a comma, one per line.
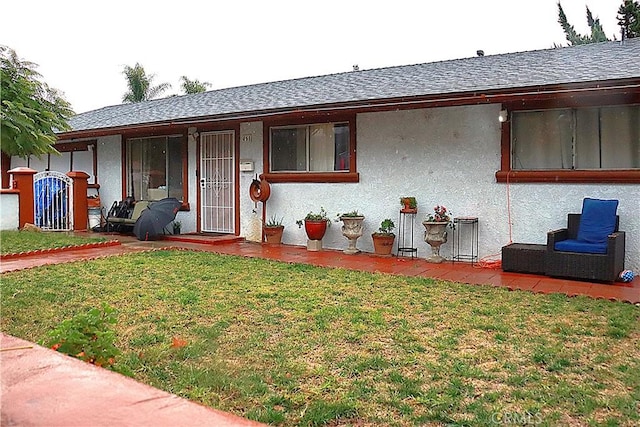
(217,185)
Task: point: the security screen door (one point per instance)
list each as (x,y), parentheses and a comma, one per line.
(217,186)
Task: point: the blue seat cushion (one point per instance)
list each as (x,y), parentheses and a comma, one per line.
(597,221)
(581,246)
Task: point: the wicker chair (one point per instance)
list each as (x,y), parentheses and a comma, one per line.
(605,267)
(119,223)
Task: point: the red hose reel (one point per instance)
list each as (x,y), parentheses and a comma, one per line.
(259,190)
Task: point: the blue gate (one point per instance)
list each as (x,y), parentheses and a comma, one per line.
(53,206)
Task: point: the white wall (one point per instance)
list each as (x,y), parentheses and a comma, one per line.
(9,211)
(109,154)
(445,156)
(251,149)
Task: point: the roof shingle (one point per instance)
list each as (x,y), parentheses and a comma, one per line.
(577,64)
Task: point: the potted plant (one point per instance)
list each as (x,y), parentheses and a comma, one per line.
(436,231)
(315,224)
(177,225)
(383,238)
(351,229)
(410,205)
(273,230)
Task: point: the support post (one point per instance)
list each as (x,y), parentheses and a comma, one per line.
(80,208)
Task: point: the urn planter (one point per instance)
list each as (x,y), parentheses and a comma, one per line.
(352,230)
(435,235)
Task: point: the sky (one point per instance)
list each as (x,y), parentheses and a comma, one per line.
(81,47)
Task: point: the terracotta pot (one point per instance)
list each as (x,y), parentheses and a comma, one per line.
(315,229)
(383,243)
(274,234)
(407,207)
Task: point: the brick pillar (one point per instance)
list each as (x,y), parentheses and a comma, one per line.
(22,180)
(80,208)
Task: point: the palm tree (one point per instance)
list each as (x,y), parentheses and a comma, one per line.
(139,84)
(193,86)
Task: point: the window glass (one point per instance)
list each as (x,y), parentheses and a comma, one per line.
(542,139)
(588,151)
(288,149)
(174,164)
(154,168)
(310,148)
(583,138)
(620,129)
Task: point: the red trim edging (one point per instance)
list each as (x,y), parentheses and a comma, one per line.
(61,249)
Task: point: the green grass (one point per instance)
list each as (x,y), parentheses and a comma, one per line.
(25,241)
(290,344)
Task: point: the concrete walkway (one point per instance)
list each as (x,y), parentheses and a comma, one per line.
(41,387)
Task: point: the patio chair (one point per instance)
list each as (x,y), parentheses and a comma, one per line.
(591,247)
(124,217)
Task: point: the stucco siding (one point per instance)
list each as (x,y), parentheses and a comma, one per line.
(9,211)
(109,154)
(444,156)
(250,149)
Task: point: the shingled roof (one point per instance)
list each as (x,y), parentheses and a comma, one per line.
(578,64)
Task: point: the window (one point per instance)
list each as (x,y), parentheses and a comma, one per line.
(593,138)
(310,148)
(155,168)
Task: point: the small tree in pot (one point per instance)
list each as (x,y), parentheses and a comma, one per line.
(383,239)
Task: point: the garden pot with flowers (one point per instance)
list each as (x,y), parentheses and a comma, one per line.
(436,231)
(315,224)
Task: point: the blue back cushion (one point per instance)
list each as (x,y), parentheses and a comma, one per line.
(597,221)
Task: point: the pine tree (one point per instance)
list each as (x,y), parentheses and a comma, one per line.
(629,19)
(575,38)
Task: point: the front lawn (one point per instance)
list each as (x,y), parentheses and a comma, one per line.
(290,344)
(12,242)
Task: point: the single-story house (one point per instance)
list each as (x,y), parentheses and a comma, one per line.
(517,140)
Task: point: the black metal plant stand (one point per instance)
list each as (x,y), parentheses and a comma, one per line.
(405,235)
(471,226)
